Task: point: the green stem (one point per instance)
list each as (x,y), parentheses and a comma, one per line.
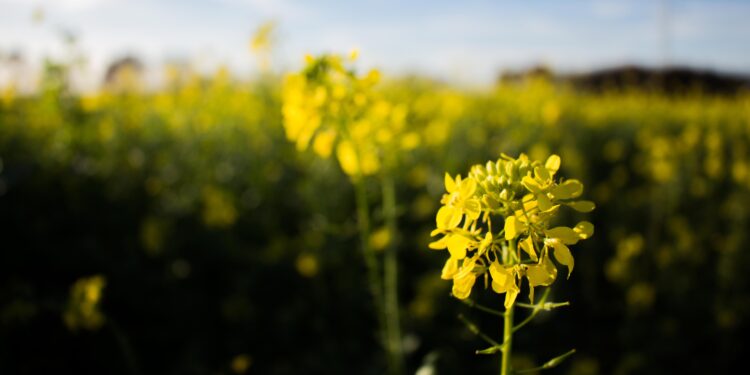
(507,341)
(475,330)
(471,303)
(371,262)
(508,328)
(535,310)
(390,286)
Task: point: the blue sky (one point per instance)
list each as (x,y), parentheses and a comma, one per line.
(468,41)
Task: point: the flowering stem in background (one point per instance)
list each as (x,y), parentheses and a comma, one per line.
(390,286)
(371,263)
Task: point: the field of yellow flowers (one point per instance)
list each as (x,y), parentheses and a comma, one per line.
(282,225)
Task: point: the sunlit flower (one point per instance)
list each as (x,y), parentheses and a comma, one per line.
(524,196)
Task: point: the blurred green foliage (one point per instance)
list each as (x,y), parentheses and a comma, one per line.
(224,250)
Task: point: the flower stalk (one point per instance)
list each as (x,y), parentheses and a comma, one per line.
(371,262)
(507,341)
(390,276)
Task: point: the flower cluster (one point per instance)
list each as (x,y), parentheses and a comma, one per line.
(526,195)
(329,106)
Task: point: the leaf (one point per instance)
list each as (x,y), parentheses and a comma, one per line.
(584,229)
(563,256)
(582,206)
(567,190)
(553,163)
(566,235)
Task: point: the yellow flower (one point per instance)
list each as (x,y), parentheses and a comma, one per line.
(524,196)
(504,281)
(464,279)
(82,310)
(461,198)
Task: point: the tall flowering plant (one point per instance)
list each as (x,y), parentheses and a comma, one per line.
(522,197)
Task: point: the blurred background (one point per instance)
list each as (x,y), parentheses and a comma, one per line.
(154,219)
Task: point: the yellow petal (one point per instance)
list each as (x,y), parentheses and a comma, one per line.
(486,242)
(566,235)
(472,209)
(563,255)
(449,269)
(450,185)
(541,274)
(543,202)
(457,245)
(531,184)
(529,202)
(510,295)
(552,164)
(348,159)
(568,189)
(584,229)
(370,163)
(500,275)
(497,287)
(542,174)
(468,188)
(462,285)
(448,217)
(512,227)
(439,244)
(323,143)
(527,245)
(582,206)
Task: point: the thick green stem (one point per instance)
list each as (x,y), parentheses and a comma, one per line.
(507,341)
(390,266)
(371,262)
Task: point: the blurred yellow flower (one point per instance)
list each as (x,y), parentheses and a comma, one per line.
(82,311)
